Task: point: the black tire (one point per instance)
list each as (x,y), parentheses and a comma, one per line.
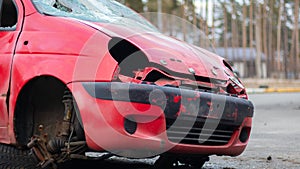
(164,162)
(196,162)
(14,158)
(197,165)
(170,162)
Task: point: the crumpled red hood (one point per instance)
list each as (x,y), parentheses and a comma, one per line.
(171,53)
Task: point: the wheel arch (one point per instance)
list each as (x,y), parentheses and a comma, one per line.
(39,102)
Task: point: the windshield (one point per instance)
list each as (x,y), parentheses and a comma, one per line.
(104,11)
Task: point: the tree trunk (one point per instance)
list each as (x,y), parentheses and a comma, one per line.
(279,37)
(285,42)
(194,25)
(296,28)
(258,42)
(183,20)
(271,59)
(297,35)
(265,31)
(233,30)
(200,24)
(251,71)
(213,23)
(244,34)
(292,54)
(206,25)
(159,15)
(225,31)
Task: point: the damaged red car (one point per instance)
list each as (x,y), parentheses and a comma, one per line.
(91,79)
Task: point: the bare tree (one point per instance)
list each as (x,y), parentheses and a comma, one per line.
(206,18)
(279,35)
(225,29)
(159,15)
(244,32)
(200,24)
(234,34)
(184,20)
(271,59)
(251,34)
(285,42)
(213,22)
(295,38)
(194,25)
(205,24)
(258,42)
(296,28)
(264,29)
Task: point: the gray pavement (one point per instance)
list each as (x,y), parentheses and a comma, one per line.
(275,135)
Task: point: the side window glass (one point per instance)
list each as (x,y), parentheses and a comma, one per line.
(8,14)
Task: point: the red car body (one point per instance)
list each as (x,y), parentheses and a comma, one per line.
(86,57)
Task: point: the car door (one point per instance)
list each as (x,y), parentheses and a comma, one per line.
(10,27)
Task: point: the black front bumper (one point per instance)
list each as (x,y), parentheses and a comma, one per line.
(175,101)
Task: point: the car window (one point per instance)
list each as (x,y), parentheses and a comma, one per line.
(104,11)
(8,15)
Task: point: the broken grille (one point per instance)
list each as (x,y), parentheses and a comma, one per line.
(196,133)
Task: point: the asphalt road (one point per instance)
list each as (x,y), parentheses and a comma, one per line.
(275,139)
(274,143)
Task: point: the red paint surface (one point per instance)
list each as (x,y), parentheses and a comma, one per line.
(73,52)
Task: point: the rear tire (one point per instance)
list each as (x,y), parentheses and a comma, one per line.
(14,158)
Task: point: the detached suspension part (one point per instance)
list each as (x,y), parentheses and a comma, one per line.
(66,124)
(38,145)
(58,148)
